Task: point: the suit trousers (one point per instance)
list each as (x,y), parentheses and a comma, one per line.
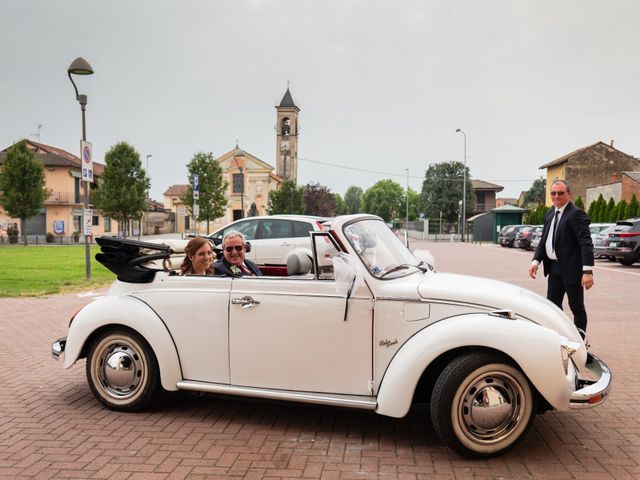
(557,286)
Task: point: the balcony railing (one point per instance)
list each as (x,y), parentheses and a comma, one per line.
(66,198)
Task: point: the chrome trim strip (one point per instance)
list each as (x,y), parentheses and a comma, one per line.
(350,401)
(57,348)
(582,398)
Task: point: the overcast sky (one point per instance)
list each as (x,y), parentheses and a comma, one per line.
(382,86)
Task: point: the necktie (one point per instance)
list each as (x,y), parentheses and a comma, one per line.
(555,229)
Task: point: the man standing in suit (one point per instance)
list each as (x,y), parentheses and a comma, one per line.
(233,263)
(566,252)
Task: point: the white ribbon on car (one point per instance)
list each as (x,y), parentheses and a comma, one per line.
(348,273)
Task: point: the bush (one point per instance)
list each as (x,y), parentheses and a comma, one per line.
(50,238)
(12,232)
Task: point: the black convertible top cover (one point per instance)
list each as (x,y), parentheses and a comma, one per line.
(125,258)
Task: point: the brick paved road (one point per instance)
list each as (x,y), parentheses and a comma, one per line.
(50,425)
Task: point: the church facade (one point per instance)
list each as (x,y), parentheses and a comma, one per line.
(250,178)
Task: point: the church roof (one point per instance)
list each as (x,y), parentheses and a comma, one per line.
(287,100)
(249,161)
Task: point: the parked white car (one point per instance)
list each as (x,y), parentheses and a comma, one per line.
(372,328)
(273,238)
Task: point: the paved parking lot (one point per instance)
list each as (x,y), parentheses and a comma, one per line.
(51,426)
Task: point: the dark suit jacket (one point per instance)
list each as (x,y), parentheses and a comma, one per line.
(574,247)
(223,267)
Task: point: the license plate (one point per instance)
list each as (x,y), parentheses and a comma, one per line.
(613,244)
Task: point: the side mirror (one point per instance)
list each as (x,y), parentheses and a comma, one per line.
(247,247)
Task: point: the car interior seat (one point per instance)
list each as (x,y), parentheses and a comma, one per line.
(299,263)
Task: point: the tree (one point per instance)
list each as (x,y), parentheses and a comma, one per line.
(611,204)
(319,200)
(621,209)
(537,193)
(122,188)
(384,199)
(340,205)
(592,209)
(415,205)
(613,213)
(353,200)
(442,190)
(579,203)
(598,210)
(22,190)
(212,201)
(633,209)
(535,216)
(287,199)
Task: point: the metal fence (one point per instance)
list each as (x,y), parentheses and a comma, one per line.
(43,240)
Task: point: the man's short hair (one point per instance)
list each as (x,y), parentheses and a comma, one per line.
(564,182)
(233,234)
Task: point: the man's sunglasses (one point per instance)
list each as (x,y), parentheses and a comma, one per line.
(237,248)
(553,194)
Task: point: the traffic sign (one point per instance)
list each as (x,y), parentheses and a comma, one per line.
(86,162)
(196,187)
(88,221)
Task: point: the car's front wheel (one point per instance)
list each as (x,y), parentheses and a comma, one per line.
(481,406)
(122,370)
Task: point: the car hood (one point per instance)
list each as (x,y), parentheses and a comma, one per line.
(497,295)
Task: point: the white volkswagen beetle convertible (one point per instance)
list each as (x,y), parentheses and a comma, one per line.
(363,324)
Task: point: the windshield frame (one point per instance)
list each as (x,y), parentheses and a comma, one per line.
(410,258)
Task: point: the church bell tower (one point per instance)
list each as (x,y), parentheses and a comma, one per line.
(287,128)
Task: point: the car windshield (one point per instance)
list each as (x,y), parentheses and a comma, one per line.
(382,252)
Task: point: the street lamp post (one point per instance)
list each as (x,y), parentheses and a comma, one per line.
(464,186)
(81,67)
(240,153)
(406,223)
(148,157)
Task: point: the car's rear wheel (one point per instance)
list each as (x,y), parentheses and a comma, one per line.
(482,406)
(122,371)
(627,260)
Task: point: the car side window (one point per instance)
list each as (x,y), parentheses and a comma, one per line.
(302,229)
(248,229)
(273,228)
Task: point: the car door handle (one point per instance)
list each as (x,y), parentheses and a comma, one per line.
(245,302)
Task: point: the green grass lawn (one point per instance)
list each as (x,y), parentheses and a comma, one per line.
(46,270)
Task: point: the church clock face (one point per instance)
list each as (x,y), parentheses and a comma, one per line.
(284,146)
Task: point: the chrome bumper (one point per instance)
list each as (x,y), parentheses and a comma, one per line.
(593,393)
(57,348)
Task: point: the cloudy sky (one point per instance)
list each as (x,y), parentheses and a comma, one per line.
(382,85)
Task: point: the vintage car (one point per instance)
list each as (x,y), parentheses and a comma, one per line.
(363,324)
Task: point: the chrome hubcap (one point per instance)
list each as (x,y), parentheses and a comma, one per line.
(121,370)
(491,407)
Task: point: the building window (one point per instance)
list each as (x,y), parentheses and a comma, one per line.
(237,183)
(76,190)
(107,224)
(94,221)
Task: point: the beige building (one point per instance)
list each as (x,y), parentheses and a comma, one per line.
(62,212)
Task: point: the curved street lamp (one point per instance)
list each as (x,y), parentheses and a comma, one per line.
(464,186)
(81,67)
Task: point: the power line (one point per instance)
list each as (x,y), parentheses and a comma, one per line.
(403,175)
